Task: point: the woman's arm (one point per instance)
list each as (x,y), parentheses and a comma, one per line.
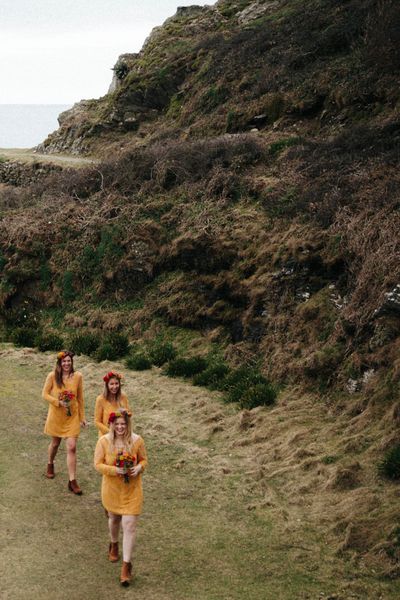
(99,460)
(46,395)
(98,416)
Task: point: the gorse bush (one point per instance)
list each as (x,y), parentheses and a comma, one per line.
(105,351)
(24,336)
(119,342)
(249,388)
(213,377)
(160,353)
(49,341)
(389,467)
(138,362)
(186,367)
(260,394)
(85,343)
(113,346)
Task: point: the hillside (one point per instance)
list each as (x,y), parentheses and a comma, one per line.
(246,203)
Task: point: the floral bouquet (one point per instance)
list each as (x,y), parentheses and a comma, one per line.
(125,461)
(66,396)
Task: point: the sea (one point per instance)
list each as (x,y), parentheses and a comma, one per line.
(26,125)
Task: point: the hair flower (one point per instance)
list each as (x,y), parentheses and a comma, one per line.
(111,375)
(112,417)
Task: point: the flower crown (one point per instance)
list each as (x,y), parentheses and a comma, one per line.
(64,353)
(118,414)
(110,375)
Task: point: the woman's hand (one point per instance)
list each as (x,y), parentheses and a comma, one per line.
(62,403)
(134,471)
(121,470)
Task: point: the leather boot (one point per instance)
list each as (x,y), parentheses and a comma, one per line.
(113,555)
(74,487)
(126,573)
(50,471)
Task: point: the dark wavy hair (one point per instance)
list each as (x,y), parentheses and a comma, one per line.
(58,370)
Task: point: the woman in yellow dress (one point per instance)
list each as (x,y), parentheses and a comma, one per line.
(111,400)
(121,489)
(63,391)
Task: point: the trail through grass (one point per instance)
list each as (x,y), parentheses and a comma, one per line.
(205,532)
(29,155)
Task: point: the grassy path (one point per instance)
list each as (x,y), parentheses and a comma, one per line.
(207,532)
(29,155)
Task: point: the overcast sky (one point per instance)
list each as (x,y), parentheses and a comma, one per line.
(61,51)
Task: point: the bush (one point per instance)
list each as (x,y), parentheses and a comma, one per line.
(390,465)
(119,344)
(249,388)
(49,341)
(85,343)
(23,336)
(105,351)
(261,394)
(186,367)
(138,362)
(160,353)
(213,377)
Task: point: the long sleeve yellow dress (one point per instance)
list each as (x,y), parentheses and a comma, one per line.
(117,496)
(58,423)
(104,408)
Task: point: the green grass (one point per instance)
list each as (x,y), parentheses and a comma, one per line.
(199,537)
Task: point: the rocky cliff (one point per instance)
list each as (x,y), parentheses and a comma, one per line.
(235,66)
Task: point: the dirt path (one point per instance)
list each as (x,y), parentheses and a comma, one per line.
(29,155)
(220,519)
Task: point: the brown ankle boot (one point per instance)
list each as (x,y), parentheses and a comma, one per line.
(113,555)
(74,487)
(50,471)
(126,573)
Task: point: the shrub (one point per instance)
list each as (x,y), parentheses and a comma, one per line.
(118,342)
(113,346)
(213,377)
(49,341)
(138,362)
(261,394)
(186,367)
(160,353)
(105,351)
(249,388)
(85,343)
(390,465)
(23,336)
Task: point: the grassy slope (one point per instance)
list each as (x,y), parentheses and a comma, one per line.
(210,529)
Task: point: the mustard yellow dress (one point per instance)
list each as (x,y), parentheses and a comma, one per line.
(104,408)
(117,496)
(58,423)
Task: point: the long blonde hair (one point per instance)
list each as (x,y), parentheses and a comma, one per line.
(127,439)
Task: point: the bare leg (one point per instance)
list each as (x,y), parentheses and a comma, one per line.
(129,536)
(71,458)
(52,450)
(114,521)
